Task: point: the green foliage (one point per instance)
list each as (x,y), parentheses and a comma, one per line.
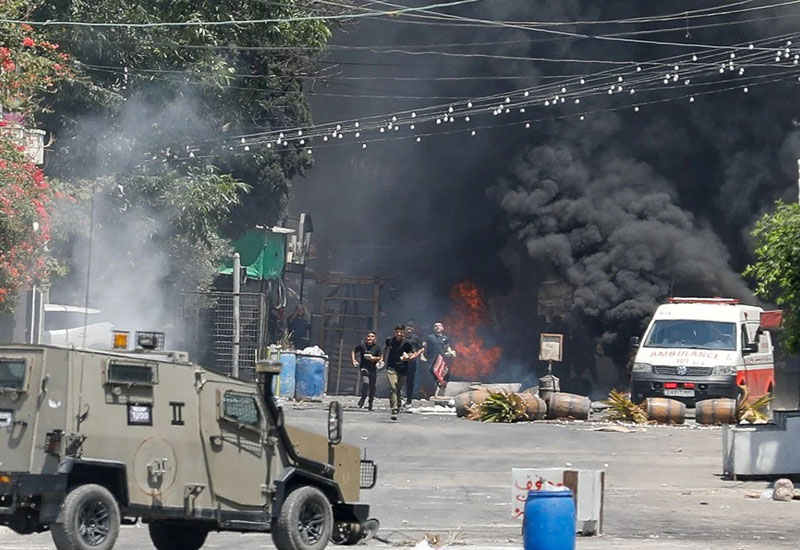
(499,407)
(154,117)
(753,411)
(776,270)
(622,408)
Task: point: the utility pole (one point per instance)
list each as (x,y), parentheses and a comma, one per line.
(798,180)
(236,274)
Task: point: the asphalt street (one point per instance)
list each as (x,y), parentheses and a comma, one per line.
(450,478)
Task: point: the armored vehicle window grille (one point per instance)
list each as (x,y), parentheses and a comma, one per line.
(131,373)
(369,474)
(12,374)
(690,371)
(241,408)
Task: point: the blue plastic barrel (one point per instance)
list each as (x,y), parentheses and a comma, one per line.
(549,522)
(310,377)
(288,375)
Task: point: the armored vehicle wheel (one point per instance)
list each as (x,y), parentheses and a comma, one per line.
(91,520)
(305,521)
(177,535)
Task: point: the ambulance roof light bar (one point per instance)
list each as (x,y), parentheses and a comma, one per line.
(679,300)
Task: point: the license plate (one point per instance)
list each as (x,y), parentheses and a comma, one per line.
(6,418)
(679,393)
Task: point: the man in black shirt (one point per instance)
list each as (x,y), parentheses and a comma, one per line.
(437,345)
(397,352)
(411,375)
(368,353)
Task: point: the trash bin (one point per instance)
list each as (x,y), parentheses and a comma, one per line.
(310,377)
(549,522)
(286,381)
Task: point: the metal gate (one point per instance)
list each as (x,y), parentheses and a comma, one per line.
(205,323)
(349,309)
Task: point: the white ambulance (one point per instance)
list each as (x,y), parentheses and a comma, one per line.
(701,348)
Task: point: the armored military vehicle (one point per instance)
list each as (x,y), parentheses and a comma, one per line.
(90,440)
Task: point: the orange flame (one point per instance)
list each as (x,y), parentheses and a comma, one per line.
(467,315)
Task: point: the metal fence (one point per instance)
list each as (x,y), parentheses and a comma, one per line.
(205,323)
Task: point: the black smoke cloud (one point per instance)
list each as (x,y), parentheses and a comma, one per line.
(626,208)
(612,228)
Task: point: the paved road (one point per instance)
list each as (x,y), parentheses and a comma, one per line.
(451,477)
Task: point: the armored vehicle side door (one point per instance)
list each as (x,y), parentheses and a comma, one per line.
(234,431)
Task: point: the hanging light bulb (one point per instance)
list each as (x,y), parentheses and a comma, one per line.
(358,134)
(466,118)
(527,125)
(473,132)
(633,91)
(636,109)
(563,90)
(638,69)
(394,119)
(691,100)
(677,68)
(340,136)
(746,89)
(242,140)
(338,127)
(419,139)
(522,109)
(280,136)
(299,132)
(412,126)
(546,103)
(356,124)
(413,115)
(750,47)
(191,155)
(583,117)
(452,119)
(363,145)
(527,93)
(309,151)
(687,81)
(302,142)
(469,105)
(269,145)
(583,81)
(733,56)
(508,111)
(694,58)
(508,100)
(324,138)
(285,143)
(577,101)
(450,109)
(619,79)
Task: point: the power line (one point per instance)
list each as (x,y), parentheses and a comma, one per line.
(295,19)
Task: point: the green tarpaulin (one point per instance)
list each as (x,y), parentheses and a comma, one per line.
(262,254)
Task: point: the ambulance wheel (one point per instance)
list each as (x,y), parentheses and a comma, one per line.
(167,535)
(91,520)
(305,521)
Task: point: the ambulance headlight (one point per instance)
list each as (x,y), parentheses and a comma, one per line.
(724,369)
(642,367)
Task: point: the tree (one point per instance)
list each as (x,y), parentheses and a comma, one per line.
(151,125)
(777,266)
(30,67)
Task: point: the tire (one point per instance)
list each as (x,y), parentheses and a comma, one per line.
(91,520)
(183,535)
(305,521)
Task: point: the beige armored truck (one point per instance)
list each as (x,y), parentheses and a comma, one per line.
(90,440)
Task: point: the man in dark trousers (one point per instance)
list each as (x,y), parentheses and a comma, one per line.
(397,352)
(368,353)
(437,349)
(416,345)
